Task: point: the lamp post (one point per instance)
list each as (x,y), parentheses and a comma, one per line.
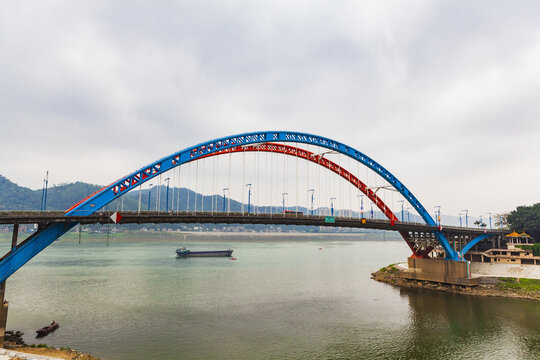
(361,200)
(224,189)
(438,214)
(249,196)
(44,192)
(149,195)
(312,191)
(489,214)
(460,224)
(332,205)
(371,204)
(466,218)
(283,201)
(167,195)
(408,214)
(402,204)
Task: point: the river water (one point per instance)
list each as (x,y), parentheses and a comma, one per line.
(298,299)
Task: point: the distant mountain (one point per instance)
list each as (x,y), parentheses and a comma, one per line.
(62,197)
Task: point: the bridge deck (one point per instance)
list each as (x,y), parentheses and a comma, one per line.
(231,218)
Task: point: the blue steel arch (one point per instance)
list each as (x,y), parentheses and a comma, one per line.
(28,249)
(131,181)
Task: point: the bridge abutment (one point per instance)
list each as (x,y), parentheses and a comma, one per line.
(440,271)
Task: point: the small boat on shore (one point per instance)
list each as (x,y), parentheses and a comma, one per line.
(183,252)
(47,329)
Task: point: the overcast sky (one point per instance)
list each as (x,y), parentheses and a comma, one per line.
(445,94)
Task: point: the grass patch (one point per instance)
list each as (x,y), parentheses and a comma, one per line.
(523,284)
(392,269)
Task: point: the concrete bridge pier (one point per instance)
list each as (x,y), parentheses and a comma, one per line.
(3,303)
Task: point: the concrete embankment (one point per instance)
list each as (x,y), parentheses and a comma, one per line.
(11,354)
(490,285)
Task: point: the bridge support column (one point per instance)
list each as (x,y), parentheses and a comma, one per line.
(4,304)
(3,313)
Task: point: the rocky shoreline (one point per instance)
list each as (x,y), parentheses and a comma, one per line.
(495,287)
(13,341)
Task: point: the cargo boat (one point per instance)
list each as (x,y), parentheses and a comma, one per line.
(47,329)
(183,252)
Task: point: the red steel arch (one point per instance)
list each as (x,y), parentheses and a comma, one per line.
(332,166)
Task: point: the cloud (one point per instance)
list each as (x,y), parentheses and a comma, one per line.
(441,93)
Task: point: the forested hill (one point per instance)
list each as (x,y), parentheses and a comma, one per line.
(62,197)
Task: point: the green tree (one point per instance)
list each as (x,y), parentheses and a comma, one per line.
(526,218)
(480,224)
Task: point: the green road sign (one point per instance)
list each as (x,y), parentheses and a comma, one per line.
(329,219)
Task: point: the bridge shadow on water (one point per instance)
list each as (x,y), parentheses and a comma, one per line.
(445,326)
(457,326)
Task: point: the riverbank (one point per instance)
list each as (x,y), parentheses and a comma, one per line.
(16,348)
(490,286)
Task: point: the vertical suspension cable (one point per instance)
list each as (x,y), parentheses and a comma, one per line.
(243,177)
(319,184)
(158,205)
(349,185)
(258,161)
(296,152)
(229,187)
(213,182)
(178,194)
(140,192)
(271,183)
(173,172)
(196,184)
(203,178)
(266,164)
(307,181)
(188,187)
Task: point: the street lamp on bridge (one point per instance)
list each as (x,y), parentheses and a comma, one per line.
(402,204)
(149,195)
(460,223)
(408,213)
(489,214)
(438,214)
(283,200)
(361,200)
(332,206)
(466,218)
(224,189)
(312,191)
(167,196)
(249,196)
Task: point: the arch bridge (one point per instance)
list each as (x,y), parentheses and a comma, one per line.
(53,226)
